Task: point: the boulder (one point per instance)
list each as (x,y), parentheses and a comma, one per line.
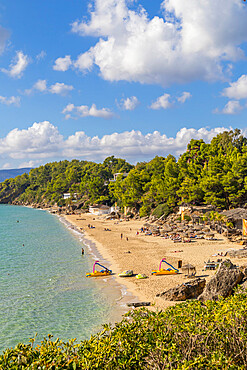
(243,285)
(244,270)
(237,253)
(189,290)
(227,277)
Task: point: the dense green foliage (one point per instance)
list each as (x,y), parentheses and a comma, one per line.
(191,335)
(214,173)
(48,183)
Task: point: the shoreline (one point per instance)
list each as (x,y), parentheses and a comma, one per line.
(98,252)
(142,254)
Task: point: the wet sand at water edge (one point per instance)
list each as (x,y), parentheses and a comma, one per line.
(143,253)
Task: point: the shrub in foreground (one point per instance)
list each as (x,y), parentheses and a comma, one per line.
(191,335)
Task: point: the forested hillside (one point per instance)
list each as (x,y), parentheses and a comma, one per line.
(214,173)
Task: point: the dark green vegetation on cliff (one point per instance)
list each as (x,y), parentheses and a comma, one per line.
(191,335)
(212,173)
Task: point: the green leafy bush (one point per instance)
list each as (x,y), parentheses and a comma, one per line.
(187,218)
(145,210)
(161,209)
(192,335)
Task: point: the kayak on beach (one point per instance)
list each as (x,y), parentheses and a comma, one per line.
(126,273)
(95,273)
(141,276)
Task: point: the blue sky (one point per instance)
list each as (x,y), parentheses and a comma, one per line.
(130,78)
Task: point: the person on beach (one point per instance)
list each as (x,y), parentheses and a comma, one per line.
(127,238)
(121,236)
(82,251)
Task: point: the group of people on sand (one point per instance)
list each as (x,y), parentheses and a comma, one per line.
(121,237)
(175,237)
(90,226)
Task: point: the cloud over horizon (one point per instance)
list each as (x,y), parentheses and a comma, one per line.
(43,140)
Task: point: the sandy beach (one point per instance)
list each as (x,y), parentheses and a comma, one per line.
(143,253)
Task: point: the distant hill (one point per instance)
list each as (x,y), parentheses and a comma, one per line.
(8,174)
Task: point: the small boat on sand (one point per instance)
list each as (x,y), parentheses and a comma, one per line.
(141,276)
(171,270)
(95,273)
(126,273)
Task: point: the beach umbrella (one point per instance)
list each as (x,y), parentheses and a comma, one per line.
(188,266)
(167,229)
(186,228)
(154,228)
(198,227)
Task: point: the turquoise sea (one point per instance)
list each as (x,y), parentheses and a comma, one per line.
(43,288)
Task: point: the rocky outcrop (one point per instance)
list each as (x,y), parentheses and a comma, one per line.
(227,277)
(243,285)
(189,290)
(237,253)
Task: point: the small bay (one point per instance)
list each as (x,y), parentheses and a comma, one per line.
(43,288)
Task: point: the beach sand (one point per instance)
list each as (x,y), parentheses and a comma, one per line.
(142,254)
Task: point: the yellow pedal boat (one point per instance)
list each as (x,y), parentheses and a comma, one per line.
(171,270)
(95,273)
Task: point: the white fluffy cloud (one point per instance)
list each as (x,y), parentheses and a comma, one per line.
(72,111)
(40,85)
(232,107)
(133,145)
(12,100)
(58,88)
(129,103)
(18,65)
(191,39)
(185,96)
(162,102)
(29,164)
(237,90)
(42,141)
(62,64)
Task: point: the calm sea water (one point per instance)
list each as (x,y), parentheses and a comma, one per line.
(43,288)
